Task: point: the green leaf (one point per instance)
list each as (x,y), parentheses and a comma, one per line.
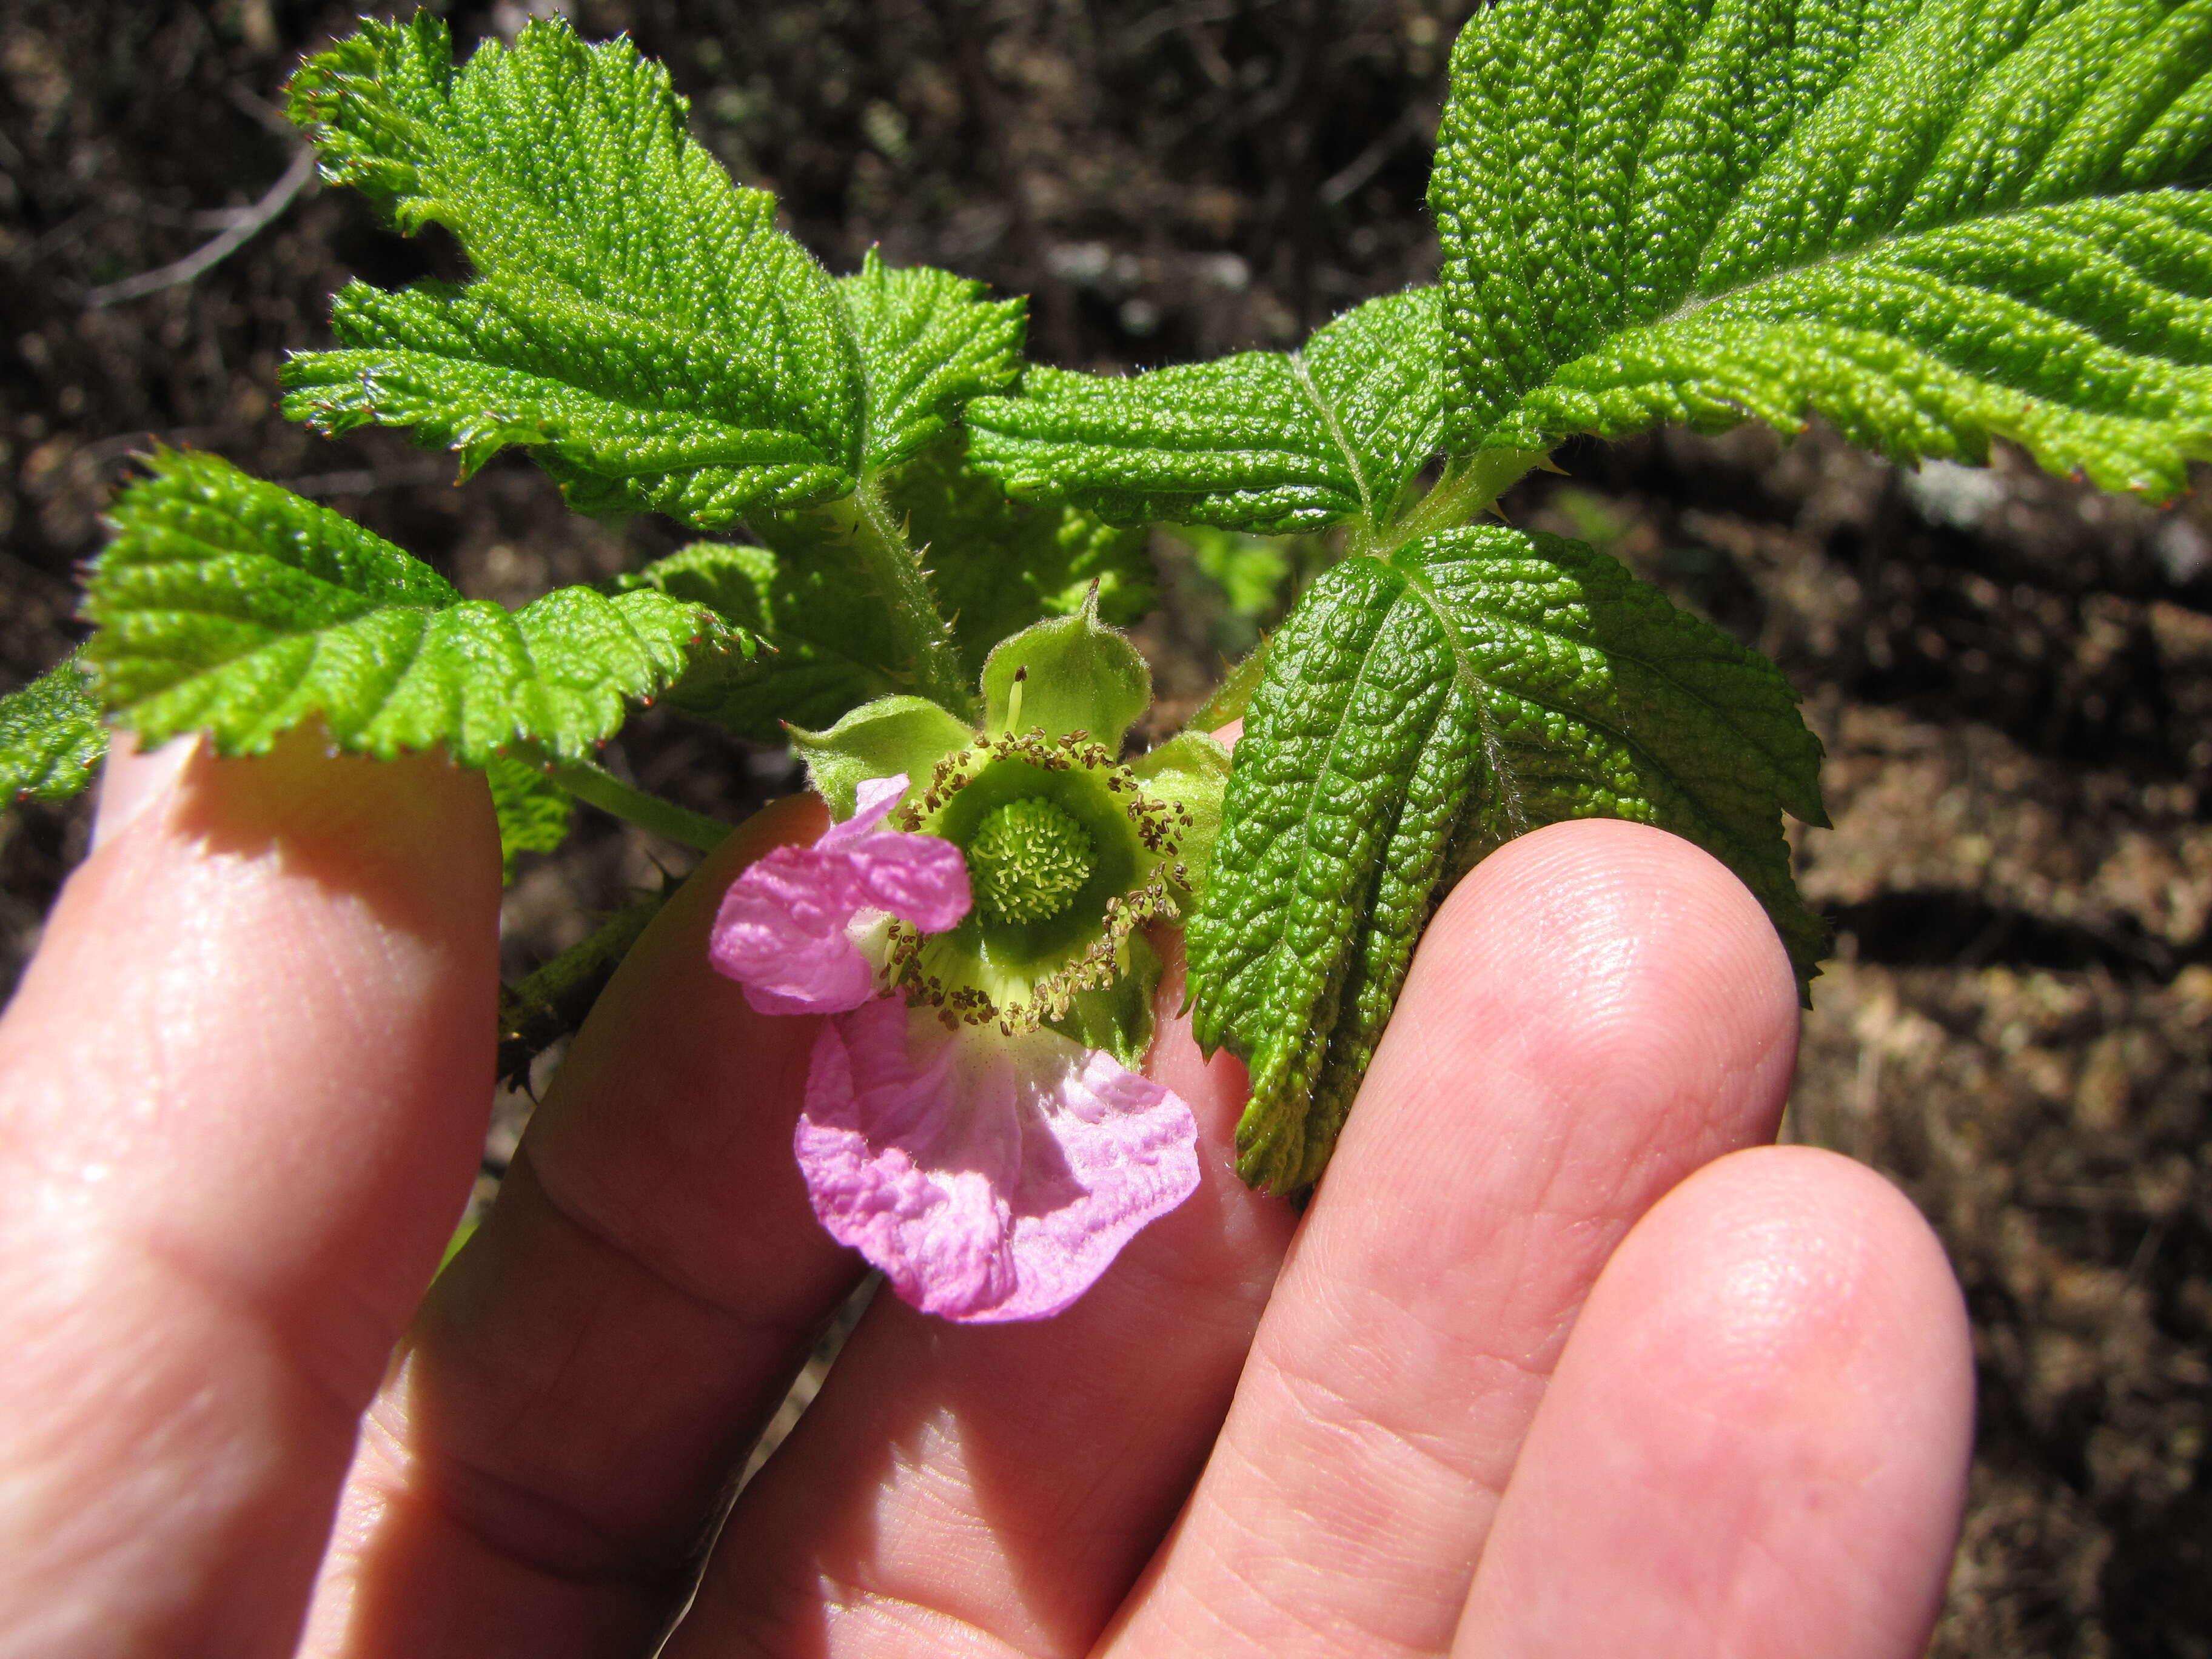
(998,565)
(637,319)
(51,735)
(1265,441)
(230,605)
(533,811)
(1413,715)
(928,342)
(1933,224)
(827,654)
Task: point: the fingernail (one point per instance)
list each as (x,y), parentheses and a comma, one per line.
(134,780)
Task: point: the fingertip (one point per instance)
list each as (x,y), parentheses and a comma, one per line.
(1600,952)
(1784,1263)
(1757,1440)
(132,780)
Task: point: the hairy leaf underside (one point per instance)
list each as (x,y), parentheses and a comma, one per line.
(1932,224)
(534,813)
(636,320)
(232,606)
(1413,715)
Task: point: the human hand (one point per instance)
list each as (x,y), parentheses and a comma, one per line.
(1551,1364)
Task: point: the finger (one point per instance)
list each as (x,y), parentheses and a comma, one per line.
(242,1093)
(1756,1443)
(536,1475)
(1597,1010)
(996,1489)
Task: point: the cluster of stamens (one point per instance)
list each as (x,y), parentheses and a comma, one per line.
(1159,827)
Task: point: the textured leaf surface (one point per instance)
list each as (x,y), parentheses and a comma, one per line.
(928,342)
(998,565)
(1412,716)
(1265,442)
(51,735)
(637,319)
(1932,222)
(829,651)
(230,605)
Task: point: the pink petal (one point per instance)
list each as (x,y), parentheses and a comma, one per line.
(783,931)
(873,801)
(921,878)
(780,934)
(991,1178)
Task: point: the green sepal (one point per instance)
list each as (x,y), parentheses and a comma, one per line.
(229,605)
(1191,770)
(888,736)
(1416,713)
(51,738)
(1075,674)
(1235,693)
(534,812)
(1118,1017)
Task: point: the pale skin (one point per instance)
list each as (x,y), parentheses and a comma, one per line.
(1563,1359)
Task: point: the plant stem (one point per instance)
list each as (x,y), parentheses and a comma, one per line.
(588,781)
(931,666)
(1469,484)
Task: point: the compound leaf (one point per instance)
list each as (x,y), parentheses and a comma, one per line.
(637,319)
(1412,716)
(1265,442)
(51,734)
(230,605)
(1933,221)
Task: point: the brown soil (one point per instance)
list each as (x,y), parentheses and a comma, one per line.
(2013,674)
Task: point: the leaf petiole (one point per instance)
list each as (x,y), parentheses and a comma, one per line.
(589,782)
(1469,485)
(931,666)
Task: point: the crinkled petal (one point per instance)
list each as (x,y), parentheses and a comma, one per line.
(991,1178)
(784,930)
(920,878)
(873,801)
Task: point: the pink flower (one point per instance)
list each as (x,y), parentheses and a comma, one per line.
(787,928)
(991,1176)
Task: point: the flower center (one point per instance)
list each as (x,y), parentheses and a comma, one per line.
(1028,860)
